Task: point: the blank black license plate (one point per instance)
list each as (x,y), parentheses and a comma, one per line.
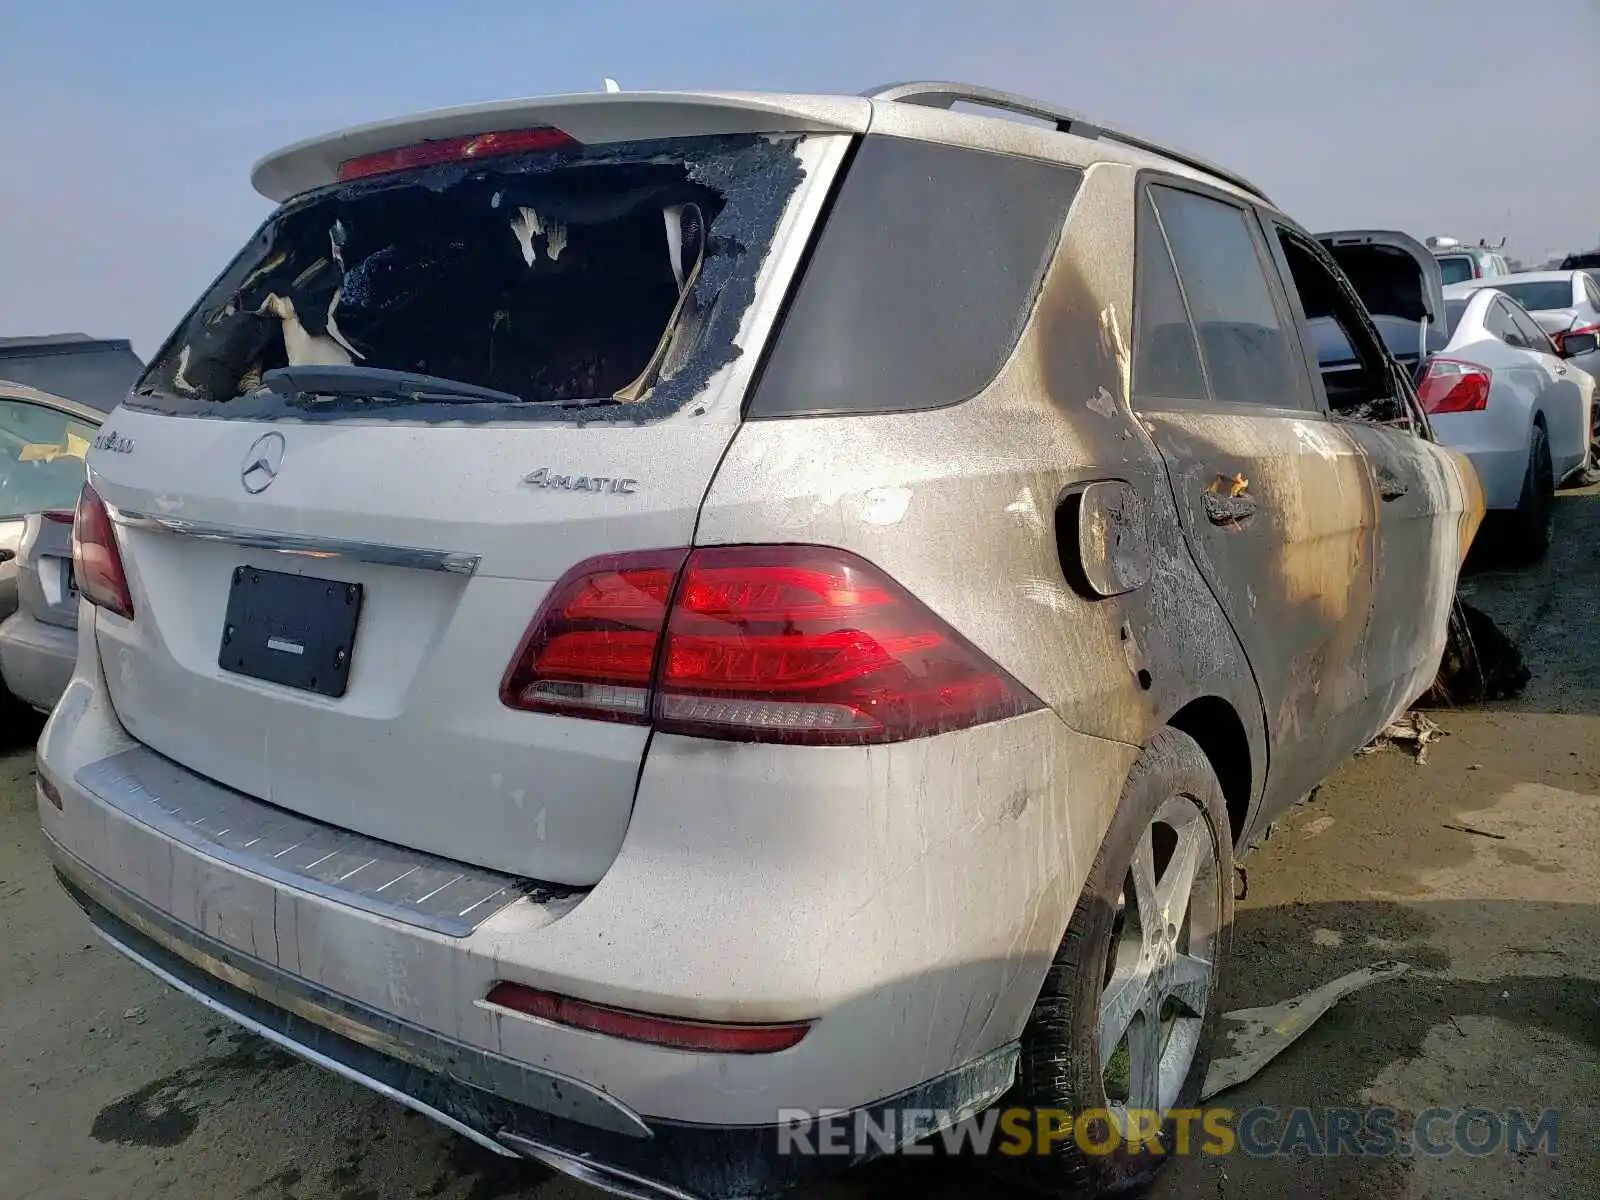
(291,630)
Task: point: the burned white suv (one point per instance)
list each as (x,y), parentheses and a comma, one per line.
(621,619)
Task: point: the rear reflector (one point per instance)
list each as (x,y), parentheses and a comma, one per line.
(458,149)
(96,559)
(712,1038)
(796,644)
(1449,386)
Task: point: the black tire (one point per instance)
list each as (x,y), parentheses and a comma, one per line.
(1060,1065)
(1533,523)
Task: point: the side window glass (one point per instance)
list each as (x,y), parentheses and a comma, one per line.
(1351,359)
(1244,345)
(1502,326)
(1592,290)
(1166,360)
(42,454)
(1534,337)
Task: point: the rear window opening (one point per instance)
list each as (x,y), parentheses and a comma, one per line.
(1357,381)
(612,276)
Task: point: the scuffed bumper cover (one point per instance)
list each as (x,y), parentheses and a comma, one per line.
(463,1087)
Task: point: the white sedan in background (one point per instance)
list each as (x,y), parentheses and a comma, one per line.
(1494,385)
(1503,393)
(1566,304)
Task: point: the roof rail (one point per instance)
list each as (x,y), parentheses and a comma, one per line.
(948,95)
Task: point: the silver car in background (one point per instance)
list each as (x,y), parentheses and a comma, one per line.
(44,439)
(1459,262)
(39,642)
(1566,304)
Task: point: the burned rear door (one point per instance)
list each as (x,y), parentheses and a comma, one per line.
(1341,280)
(1274,497)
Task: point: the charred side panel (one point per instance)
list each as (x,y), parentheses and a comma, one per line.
(960,506)
(1421,508)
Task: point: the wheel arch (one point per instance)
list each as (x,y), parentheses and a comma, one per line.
(1215,724)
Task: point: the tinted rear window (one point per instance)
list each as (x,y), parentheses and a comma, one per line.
(919,284)
(615,274)
(1535,296)
(1456,269)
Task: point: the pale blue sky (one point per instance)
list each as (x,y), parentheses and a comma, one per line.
(127,130)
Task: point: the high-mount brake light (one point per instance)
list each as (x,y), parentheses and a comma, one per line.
(457,149)
(784,643)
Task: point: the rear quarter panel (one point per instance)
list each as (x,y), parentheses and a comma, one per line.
(960,506)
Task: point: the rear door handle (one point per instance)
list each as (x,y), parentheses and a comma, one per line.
(1390,485)
(1228,501)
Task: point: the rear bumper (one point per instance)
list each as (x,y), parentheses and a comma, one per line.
(907,901)
(477,1095)
(36,659)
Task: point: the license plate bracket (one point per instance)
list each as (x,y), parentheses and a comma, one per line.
(292,630)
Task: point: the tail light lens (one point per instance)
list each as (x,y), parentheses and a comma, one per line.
(458,149)
(795,644)
(591,649)
(96,558)
(60,516)
(1449,386)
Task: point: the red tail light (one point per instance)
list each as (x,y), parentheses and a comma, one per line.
(710,1037)
(1449,386)
(96,559)
(457,149)
(1560,339)
(59,515)
(796,644)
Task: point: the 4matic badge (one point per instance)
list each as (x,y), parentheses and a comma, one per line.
(544,477)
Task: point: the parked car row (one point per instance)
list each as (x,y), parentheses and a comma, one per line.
(617,618)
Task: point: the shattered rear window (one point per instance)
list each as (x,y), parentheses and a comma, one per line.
(613,275)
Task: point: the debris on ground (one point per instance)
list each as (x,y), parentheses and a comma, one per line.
(1499,837)
(1261,1034)
(1480,662)
(1412,732)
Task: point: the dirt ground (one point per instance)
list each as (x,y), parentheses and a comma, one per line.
(1481,869)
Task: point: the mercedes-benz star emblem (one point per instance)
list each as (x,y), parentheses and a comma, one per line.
(261,463)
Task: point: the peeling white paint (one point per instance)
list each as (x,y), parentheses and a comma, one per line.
(1102,402)
(1111,331)
(886,505)
(1026,510)
(524,226)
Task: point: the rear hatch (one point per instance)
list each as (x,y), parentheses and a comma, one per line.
(484,347)
(1399,282)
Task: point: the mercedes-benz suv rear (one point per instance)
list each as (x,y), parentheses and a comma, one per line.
(633,623)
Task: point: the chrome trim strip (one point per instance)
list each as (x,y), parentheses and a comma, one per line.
(306,1052)
(450,561)
(607,1178)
